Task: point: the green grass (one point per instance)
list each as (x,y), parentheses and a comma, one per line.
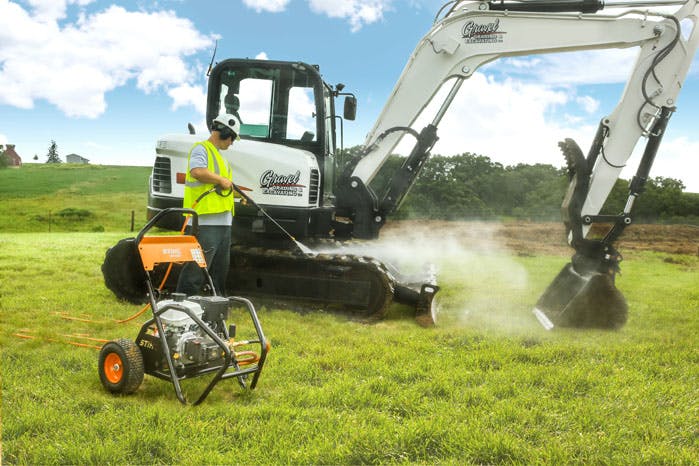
(35,195)
(487,386)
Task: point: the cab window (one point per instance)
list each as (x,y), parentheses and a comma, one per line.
(272,103)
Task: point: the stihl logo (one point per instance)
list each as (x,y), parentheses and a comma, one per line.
(172,252)
(146,344)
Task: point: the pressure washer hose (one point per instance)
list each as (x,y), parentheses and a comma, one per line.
(250,357)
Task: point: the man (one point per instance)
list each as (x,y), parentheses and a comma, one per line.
(207,169)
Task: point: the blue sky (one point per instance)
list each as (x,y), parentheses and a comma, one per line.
(105,79)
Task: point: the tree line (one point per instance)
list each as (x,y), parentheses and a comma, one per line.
(472,186)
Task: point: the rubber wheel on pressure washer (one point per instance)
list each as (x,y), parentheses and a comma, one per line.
(121,366)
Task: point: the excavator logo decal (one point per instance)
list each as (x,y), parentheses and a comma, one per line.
(281,185)
(482,33)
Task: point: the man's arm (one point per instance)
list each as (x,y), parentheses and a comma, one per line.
(206,176)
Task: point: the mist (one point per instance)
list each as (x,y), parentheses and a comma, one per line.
(482,283)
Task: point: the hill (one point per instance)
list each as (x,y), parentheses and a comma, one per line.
(61,197)
(71,198)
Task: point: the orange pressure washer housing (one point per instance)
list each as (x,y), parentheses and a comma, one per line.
(187,336)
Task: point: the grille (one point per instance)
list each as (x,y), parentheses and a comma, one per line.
(162,180)
(314,187)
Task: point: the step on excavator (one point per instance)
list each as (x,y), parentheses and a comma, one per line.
(290,158)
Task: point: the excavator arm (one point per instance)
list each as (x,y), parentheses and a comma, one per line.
(471,34)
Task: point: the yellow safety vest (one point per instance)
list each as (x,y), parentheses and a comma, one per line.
(193,188)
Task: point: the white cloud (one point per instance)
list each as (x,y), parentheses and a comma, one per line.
(357,12)
(255,100)
(513,122)
(301,113)
(589,104)
(589,67)
(271,6)
(572,68)
(522,63)
(186,95)
(74,65)
(261,56)
(3,139)
(51,10)
(677,158)
(506,121)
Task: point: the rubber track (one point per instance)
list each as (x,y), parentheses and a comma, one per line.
(358,267)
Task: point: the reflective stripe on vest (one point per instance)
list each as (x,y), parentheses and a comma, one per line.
(193,188)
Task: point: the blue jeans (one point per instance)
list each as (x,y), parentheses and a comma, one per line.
(215,240)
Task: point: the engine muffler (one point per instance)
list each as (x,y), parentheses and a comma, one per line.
(587,300)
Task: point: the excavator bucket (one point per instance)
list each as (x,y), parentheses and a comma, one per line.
(423,301)
(581,300)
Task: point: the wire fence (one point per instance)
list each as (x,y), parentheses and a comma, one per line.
(57,221)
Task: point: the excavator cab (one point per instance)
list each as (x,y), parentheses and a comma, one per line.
(278,102)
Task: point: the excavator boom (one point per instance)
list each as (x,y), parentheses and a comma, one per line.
(471,34)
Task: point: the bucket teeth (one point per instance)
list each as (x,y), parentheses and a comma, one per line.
(575,160)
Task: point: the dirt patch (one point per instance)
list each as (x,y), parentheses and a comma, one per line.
(530,238)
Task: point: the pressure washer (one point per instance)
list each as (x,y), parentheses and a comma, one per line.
(187,336)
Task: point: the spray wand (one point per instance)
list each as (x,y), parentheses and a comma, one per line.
(303,248)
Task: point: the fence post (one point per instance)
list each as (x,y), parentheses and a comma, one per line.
(132,220)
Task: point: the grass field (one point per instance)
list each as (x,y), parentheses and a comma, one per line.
(486,386)
(66,197)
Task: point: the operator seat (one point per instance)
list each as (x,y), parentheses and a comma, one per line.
(232,104)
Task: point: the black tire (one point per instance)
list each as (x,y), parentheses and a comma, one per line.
(124,275)
(123,272)
(121,366)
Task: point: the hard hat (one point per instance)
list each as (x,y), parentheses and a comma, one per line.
(229,121)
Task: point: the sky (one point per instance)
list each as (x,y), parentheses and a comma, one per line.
(105,79)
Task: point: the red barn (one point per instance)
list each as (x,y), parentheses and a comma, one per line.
(14,159)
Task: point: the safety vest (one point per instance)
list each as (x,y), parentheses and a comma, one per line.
(211,203)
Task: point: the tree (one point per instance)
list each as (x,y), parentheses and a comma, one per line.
(36,157)
(53,153)
(4,162)
(473,186)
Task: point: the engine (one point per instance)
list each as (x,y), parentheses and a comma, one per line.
(190,345)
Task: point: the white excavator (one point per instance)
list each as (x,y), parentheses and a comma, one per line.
(290,163)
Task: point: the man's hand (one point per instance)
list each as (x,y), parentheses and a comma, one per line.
(225,184)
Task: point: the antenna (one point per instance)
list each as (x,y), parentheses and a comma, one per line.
(213,55)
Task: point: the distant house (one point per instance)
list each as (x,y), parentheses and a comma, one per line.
(75,158)
(14,159)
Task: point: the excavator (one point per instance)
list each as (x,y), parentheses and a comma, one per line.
(291,163)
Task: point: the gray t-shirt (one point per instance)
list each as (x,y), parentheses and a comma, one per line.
(200,159)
